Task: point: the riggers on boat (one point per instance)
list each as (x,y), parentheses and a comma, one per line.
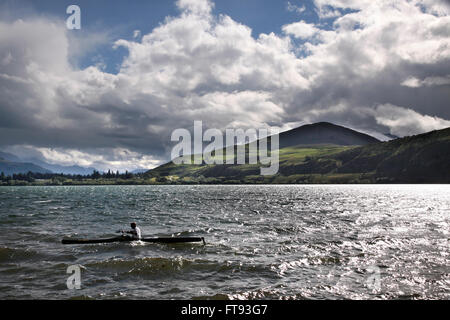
(130,239)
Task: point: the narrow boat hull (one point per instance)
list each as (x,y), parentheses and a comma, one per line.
(127,239)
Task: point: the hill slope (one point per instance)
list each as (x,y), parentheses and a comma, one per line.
(423,158)
(420,158)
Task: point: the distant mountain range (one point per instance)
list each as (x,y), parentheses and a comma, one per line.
(327,153)
(10,167)
(64,169)
(12,164)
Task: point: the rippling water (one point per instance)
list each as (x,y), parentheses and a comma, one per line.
(263,242)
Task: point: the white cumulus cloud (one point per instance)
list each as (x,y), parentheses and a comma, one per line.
(358,71)
(300,29)
(404,122)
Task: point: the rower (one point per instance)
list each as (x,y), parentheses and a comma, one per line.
(135,232)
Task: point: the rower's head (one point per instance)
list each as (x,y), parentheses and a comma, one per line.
(133,225)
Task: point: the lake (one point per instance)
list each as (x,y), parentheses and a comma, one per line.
(262,242)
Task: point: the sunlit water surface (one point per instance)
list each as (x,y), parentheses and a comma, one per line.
(263,242)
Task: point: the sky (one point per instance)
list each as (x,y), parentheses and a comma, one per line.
(110,94)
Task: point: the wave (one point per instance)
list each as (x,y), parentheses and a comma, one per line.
(170,266)
(15,254)
(257,294)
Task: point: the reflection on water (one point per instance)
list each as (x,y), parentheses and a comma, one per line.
(263,242)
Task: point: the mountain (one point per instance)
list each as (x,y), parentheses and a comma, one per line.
(9,157)
(55,168)
(137,171)
(306,141)
(324,133)
(423,158)
(20,164)
(10,167)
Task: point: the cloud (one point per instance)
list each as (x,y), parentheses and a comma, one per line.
(300,29)
(404,122)
(85,42)
(355,70)
(101,159)
(294,8)
(429,82)
(198,7)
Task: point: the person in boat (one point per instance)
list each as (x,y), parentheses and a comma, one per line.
(135,232)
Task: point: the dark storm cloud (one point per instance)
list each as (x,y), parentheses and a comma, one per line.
(382,68)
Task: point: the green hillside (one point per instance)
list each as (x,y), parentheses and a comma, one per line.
(417,159)
(289,157)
